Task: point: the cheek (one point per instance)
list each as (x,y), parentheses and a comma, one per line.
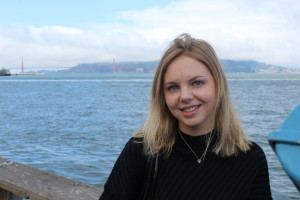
(210,95)
(167,100)
(170,101)
(212,99)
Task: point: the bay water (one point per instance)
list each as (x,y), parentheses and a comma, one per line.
(75,125)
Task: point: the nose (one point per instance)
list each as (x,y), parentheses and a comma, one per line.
(186,94)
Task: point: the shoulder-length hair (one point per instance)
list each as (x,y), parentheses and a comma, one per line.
(159,131)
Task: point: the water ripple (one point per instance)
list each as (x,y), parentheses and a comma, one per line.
(77,128)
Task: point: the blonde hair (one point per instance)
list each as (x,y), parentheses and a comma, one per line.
(161,126)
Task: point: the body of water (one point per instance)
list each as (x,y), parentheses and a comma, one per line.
(76,125)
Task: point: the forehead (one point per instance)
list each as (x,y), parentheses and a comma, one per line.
(185,67)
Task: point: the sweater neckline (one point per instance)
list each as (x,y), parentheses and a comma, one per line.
(188,137)
(197,143)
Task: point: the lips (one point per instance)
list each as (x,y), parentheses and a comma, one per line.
(190,110)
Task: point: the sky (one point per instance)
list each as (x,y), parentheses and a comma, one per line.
(59,34)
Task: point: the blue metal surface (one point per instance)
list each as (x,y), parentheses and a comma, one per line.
(289,157)
(286,144)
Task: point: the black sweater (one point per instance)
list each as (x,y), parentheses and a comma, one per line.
(180,176)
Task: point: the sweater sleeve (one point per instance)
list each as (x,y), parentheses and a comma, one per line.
(126,177)
(261,186)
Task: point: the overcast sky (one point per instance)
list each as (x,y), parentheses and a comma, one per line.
(62,33)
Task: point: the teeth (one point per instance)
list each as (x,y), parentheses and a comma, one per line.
(190,109)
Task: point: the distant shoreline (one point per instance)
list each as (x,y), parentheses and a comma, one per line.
(281,76)
(235,76)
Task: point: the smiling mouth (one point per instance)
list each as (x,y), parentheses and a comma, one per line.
(190,109)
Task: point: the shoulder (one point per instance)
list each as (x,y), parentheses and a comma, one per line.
(255,149)
(134,146)
(259,167)
(127,174)
(135,142)
(132,154)
(256,154)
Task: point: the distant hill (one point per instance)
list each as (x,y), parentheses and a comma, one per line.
(250,66)
(121,67)
(230,66)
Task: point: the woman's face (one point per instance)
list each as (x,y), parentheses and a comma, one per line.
(190,94)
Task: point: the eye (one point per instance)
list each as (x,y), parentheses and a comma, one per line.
(197,83)
(172,87)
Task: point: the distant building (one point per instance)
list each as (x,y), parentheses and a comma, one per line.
(139,70)
(4,72)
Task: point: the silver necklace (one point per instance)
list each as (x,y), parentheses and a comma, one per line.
(199,160)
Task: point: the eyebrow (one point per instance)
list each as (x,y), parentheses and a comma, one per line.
(171,82)
(196,77)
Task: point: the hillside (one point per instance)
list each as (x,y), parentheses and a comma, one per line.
(230,66)
(250,66)
(121,67)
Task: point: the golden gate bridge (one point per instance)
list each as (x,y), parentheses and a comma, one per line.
(113,67)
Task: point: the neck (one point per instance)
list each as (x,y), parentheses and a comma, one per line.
(195,132)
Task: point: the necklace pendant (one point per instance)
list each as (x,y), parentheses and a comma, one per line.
(199,161)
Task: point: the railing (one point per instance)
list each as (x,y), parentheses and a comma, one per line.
(18,181)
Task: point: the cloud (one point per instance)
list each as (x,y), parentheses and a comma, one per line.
(261,30)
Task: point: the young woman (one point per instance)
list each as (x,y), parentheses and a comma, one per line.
(203,151)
